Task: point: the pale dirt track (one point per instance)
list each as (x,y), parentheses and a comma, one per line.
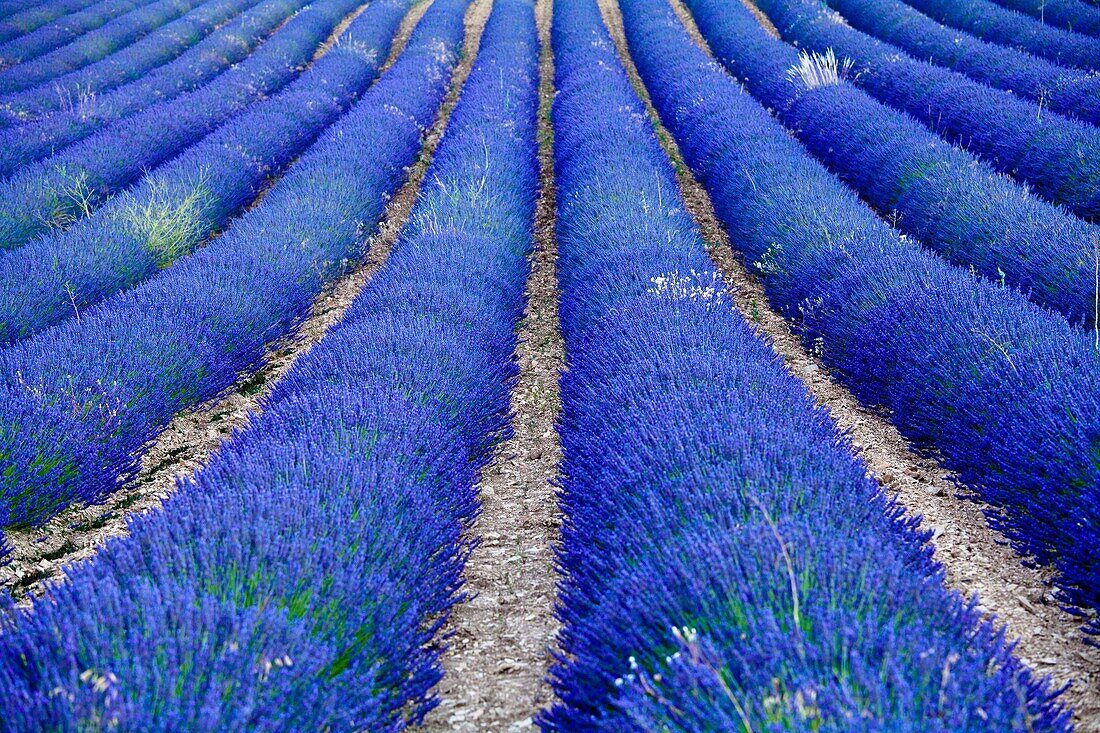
(498,656)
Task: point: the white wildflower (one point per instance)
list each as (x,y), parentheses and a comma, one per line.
(707,287)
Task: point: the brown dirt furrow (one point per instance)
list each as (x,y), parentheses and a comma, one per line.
(764,21)
(977,559)
(42,553)
(497,658)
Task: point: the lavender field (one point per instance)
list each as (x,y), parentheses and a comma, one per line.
(574,365)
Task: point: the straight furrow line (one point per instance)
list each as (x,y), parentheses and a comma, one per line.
(765,21)
(498,656)
(728,563)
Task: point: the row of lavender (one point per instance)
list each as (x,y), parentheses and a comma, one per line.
(728,563)
(98,44)
(82,398)
(716,524)
(80,88)
(20,17)
(985,20)
(43,136)
(30,34)
(939,194)
(299,581)
(1068,91)
(174,208)
(52,192)
(1070,15)
(1057,156)
(1007,392)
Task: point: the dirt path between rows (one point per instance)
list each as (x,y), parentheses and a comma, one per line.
(496,661)
(976,558)
(41,554)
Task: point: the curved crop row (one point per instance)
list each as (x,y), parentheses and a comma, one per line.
(33,140)
(1007,392)
(310,566)
(98,44)
(20,18)
(62,188)
(1072,15)
(1009,28)
(177,206)
(929,189)
(79,88)
(77,402)
(65,29)
(1059,157)
(1067,91)
(728,563)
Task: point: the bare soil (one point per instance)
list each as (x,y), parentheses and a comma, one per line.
(499,652)
(41,554)
(764,21)
(977,559)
